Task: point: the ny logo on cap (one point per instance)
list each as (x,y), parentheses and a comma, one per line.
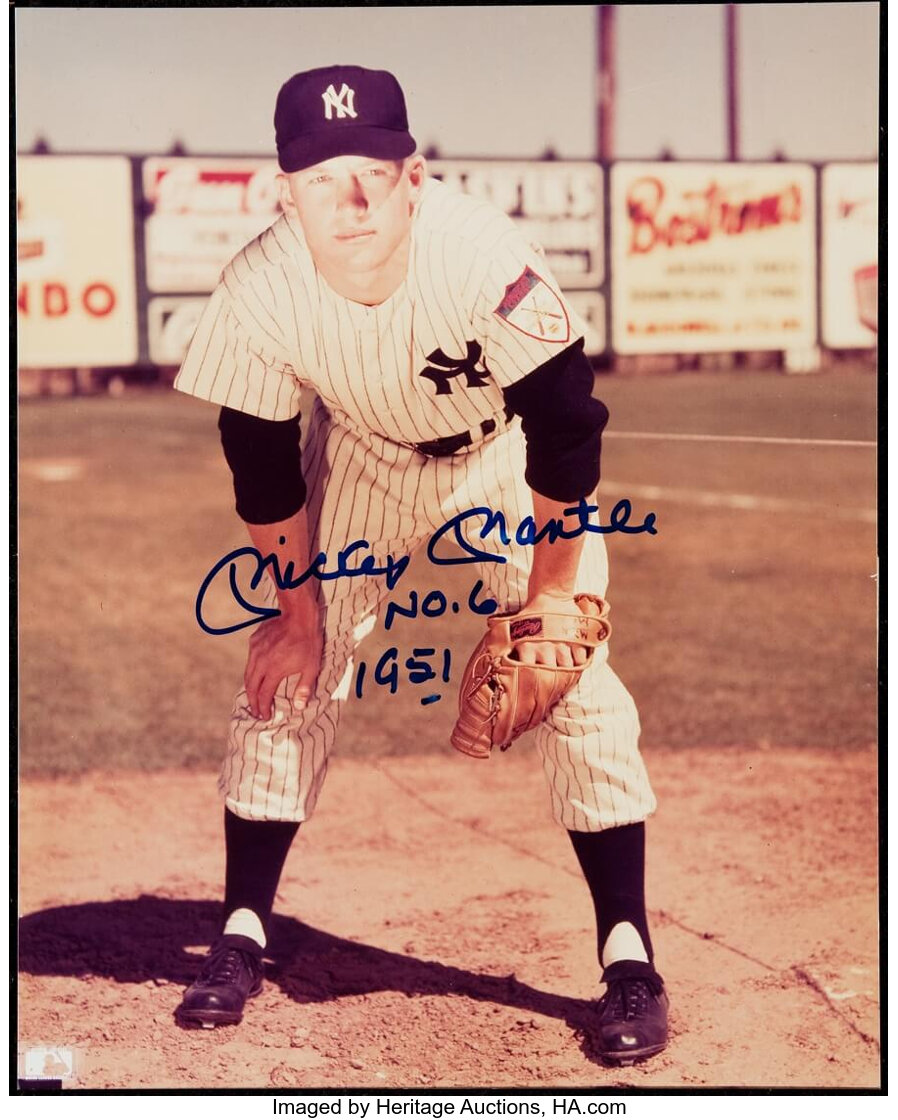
(341,102)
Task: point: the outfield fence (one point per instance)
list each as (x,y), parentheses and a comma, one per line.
(668,263)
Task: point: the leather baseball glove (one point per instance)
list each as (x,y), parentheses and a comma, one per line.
(500,696)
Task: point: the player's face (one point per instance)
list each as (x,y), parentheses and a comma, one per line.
(355,212)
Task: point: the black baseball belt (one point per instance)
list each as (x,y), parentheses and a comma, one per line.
(450,445)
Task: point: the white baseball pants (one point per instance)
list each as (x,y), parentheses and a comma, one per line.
(361,486)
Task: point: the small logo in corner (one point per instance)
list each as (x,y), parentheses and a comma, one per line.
(48,1063)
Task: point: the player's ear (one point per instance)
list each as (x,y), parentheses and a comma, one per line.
(285,197)
(416,172)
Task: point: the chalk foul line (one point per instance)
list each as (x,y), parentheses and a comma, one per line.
(784,441)
(728,500)
(663,916)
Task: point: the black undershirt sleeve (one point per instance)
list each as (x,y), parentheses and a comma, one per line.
(265,461)
(563,425)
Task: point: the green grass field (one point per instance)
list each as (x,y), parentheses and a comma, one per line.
(751,616)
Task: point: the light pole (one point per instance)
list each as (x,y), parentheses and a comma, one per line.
(605,83)
(732,80)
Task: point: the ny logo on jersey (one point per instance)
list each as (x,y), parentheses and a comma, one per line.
(445,368)
(340,103)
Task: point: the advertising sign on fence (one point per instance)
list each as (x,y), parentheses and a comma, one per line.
(557,203)
(590,306)
(171,322)
(200,212)
(75,284)
(849,254)
(712,257)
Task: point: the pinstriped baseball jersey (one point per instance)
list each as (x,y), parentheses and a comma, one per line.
(477,311)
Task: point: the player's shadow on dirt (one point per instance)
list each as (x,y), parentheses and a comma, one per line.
(144,939)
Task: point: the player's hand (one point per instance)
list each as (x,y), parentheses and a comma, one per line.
(282,647)
(552,654)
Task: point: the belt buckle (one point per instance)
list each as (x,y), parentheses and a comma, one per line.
(449,445)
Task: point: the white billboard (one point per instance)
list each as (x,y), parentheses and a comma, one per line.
(557,203)
(590,306)
(849,254)
(171,324)
(712,257)
(200,212)
(75,283)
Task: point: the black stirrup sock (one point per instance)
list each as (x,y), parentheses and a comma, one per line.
(613,862)
(255,851)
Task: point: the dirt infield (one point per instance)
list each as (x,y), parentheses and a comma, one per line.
(453,945)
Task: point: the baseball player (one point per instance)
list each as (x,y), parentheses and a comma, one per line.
(448,375)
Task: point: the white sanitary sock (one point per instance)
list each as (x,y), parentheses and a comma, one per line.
(623,944)
(247,924)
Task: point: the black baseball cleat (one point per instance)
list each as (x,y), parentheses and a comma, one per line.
(231,974)
(632,1014)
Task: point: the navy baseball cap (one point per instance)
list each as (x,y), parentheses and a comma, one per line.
(340,111)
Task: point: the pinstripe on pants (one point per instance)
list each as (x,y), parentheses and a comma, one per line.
(361,486)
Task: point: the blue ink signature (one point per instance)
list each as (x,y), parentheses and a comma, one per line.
(527,532)
(435,604)
(386,671)
(392,569)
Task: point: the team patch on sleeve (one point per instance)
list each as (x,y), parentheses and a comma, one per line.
(533,308)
